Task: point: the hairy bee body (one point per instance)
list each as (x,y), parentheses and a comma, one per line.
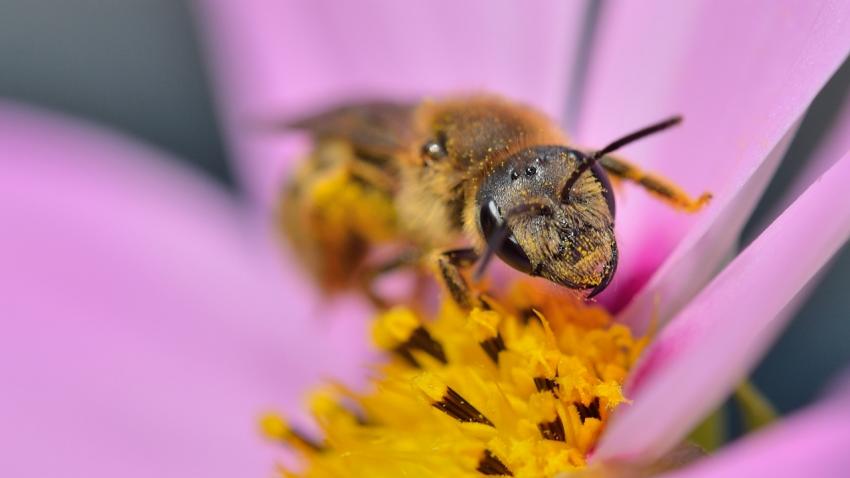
(333,218)
(437,195)
(439,174)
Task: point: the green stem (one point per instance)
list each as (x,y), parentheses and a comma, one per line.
(755,409)
(711,433)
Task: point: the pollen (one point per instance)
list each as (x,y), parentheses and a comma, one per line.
(338,196)
(522,387)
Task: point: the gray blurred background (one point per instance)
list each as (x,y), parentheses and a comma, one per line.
(136,66)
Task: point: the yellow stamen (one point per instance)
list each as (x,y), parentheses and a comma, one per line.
(276,428)
(524,390)
(394,328)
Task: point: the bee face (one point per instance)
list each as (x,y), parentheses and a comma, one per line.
(569,241)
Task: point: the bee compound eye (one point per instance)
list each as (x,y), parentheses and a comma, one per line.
(512,253)
(608,191)
(508,250)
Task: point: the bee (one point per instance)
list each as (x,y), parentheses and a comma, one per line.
(454,182)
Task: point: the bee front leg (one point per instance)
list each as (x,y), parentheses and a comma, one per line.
(370,275)
(657,185)
(449,264)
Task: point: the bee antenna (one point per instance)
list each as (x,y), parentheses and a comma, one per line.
(590,160)
(498,236)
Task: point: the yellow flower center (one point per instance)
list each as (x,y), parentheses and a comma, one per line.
(523,389)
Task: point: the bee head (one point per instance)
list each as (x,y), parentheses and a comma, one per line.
(538,224)
(548,211)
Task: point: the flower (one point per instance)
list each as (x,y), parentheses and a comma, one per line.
(151,322)
(521,387)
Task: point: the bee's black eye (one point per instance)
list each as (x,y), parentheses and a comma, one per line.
(509,250)
(606,186)
(530,171)
(435,148)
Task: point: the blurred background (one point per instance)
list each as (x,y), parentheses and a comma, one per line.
(136,66)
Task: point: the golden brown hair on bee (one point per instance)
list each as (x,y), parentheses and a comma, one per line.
(333,216)
(480,171)
(455,144)
(568,241)
(483,157)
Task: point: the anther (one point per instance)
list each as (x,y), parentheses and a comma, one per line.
(489,464)
(276,428)
(588,411)
(553,430)
(458,408)
(486,331)
(527,314)
(400,331)
(446,399)
(485,301)
(326,406)
(421,339)
(544,384)
(493,346)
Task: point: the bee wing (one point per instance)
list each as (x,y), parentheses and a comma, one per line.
(376,128)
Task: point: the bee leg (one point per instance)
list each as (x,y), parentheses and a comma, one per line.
(373,297)
(449,264)
(371,173)
(371,274)
(655,184)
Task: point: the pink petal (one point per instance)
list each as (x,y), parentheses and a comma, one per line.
(810,443)
(742,74)
(275,59)
(834,142)
(712,344)
(144,328)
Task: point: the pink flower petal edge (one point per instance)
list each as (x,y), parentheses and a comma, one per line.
(835,140)
(741,74)
(710,346)
(276,59)
(810,443)
(143,331)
